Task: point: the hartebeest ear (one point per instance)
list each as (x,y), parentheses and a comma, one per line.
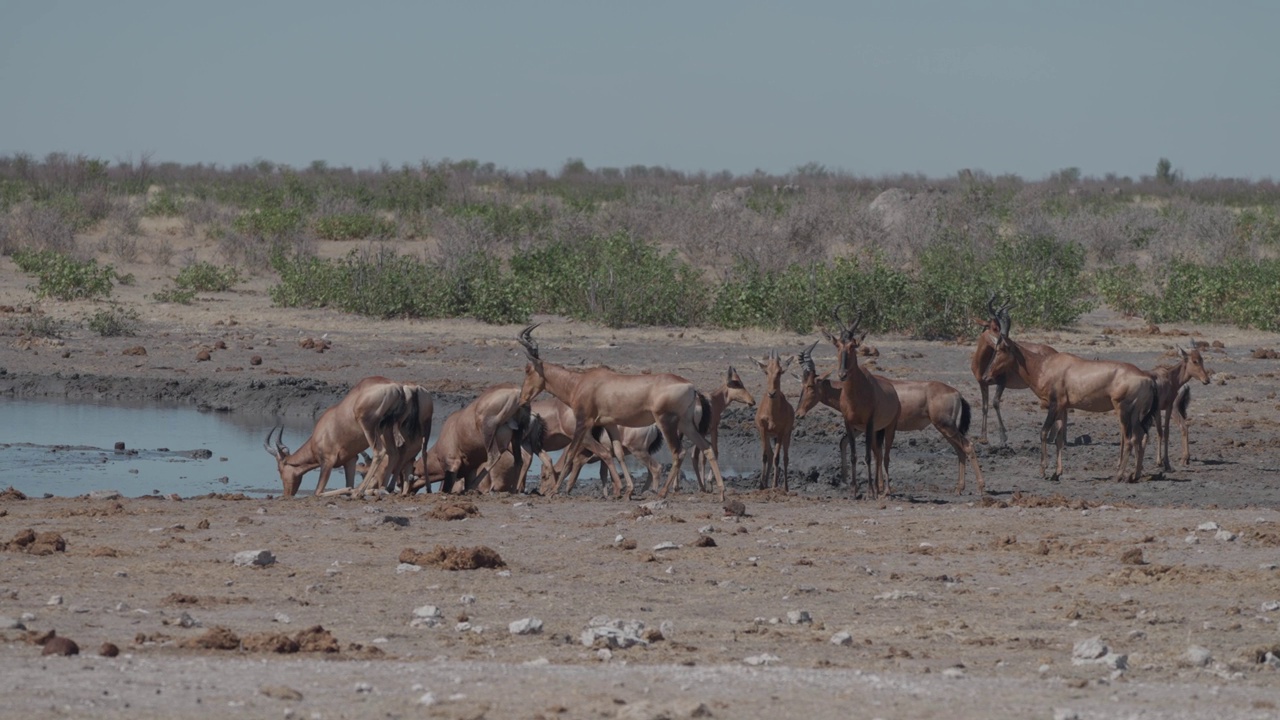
(732,372)
(787,364)
(763,365)
(830,338)
(862,337)
(1182,353)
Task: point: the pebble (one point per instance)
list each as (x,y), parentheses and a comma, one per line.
(60,646)
(953,673)
(1224,536)
(1065,714)
(54,600)
(842,638)
(254,558)
(1270,606)
(364,688)
(799,617)
(1197,656)
(105,495)
(426,616)
(282,618)
(666,545)
(1089,649)
(403,568)
(427,699)
(1209,526)
(467,600)
(525,626)
(616,633)
(8,623)
(762,659)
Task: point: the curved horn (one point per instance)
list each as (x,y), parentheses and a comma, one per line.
(275,451)
(1005,324)
(526,339)
(991,306)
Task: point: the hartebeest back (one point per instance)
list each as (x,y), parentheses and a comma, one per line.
(473,439)
(730,391)
(370,415)
(1065,382)
(558,424)
(602,397)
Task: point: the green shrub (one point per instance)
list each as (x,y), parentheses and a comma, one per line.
(165,204)
(1043,277)
(271,221)
(62,277)
(204,276)
(353,226)
(41,325)
(1121,287)
(114,321)
(175,295)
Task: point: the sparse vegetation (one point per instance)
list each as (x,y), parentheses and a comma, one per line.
(649,245)
(114,321)
(206,277)
(62,277)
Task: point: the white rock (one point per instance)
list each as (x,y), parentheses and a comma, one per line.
(467,600)
(1224,536)
(763,659)
(1065,714)
(54,600)
(899,595)
(799,617)
(655,505)
(1271,660)
(1197,656)
(462,626)
(364,687)
(258,558)
(1089,649)
(953,673)
(185,620)
(105,495)
(403,568)
(617,539)
(1209,526)
(842,638)
(526,626)
(536,662)
(604,654)
(427,611)
(1191,540)
(667,628)
(427,700)
(282,618)
(1270,606)
(666,545)
(706,529)
(8,623)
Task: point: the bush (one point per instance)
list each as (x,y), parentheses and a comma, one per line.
(353,226)
(62,277)
(175,295)
(206,277)
(114,321)
(165,204)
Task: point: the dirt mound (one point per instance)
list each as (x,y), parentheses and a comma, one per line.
(12,493)
(317,639)
(454,558)
(215,638)
(33,543)
(277,643)
(453,510)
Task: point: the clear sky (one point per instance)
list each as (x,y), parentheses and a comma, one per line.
(869,88)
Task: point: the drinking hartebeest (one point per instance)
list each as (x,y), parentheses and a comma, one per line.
(923,403)
(730,391)
(373,414)
(775,419)
(472,441)
(1175,395)
(981,360)
(868,404)
(1065,382)
(602,397)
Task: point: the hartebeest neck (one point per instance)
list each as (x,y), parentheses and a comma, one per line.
(1027,365)
(560,381)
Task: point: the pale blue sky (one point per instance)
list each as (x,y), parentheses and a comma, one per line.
(865,87)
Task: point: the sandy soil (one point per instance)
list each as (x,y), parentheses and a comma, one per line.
(955,606)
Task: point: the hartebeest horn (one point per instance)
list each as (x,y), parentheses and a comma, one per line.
(991,307)
(1005,324)
(279,450)
(526,339)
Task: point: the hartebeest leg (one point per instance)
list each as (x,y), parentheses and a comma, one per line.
(982,388)
(995,405)
(872,452)
(885,439)
(786,464)
(1186,443)
(1050,421)
(766,461)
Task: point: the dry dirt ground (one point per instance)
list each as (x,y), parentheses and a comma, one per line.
(954,606)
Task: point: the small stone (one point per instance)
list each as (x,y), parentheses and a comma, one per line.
(1065,714)
(281,692)
(427,611)
(467,600)
(1089,649)
(1207,526)
(653,505)
(282,618)
(255,360)
(364,688)
(666,545)
(427,699)
(1224,536)
(1197,656)
(842,638)
(1270,606)
(54,600)
(60,646)
(953,673)
(527,626)
(204,356)
(108,650)
(254,558)
(1191,540)
(8,623)
(762,659)
(799,617)
(403,568)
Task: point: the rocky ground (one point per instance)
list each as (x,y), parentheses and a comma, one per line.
(1078,598)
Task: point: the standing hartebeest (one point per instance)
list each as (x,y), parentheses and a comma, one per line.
(373,414)
(1065,382)
(602,397)
(924,403)
(775,419)
(473,439)
(556,425)
(981,360)
(868,404)
(730,391)
(1175,395)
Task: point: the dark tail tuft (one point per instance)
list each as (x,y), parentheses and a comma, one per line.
(535,434)
(597,432)
(658,441)
(1149,413)
(1182,401)
(704,423)
(965,417)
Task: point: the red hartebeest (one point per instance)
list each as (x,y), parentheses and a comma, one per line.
(473,439)
(556,425)
(1065,382)
(924,403)
(1175,395)
(775,419)
(981,360)
(602,397)
(730,391)
(868,404)
(377,413)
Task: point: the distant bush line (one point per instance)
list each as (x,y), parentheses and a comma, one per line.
(646,245)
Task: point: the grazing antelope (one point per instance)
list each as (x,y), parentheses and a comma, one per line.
(775,419)
(869,405)
(557,423)
(981,360)
(731,391)
(1065,382)
(924,403)
(371,415)
(1175,395)
(602,397)
(473,439)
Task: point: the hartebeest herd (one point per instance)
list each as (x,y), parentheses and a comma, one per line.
(599,415)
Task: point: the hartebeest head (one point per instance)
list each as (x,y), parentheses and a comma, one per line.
(737,391)
(773,369)
(808,382)
(535,381)
(846,344)
(290,475)
(1193,365)
(1004,362)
